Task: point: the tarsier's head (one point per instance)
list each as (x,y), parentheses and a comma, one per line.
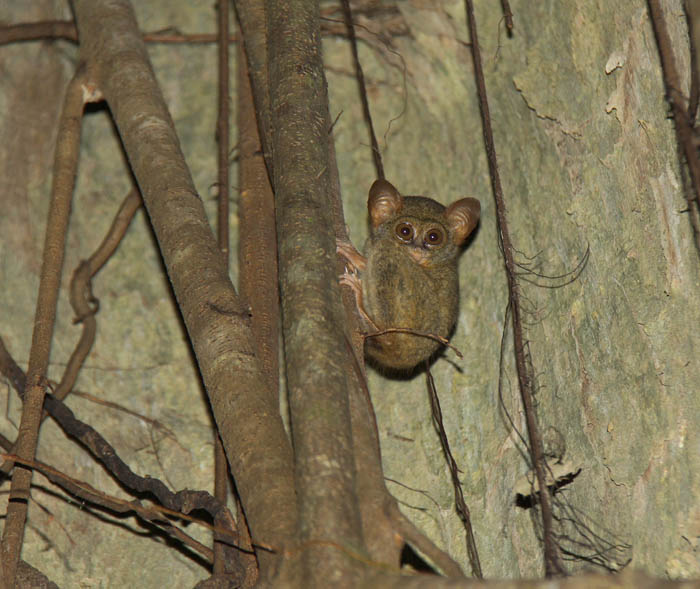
(430,232)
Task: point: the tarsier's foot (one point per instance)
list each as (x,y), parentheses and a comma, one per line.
(351,279)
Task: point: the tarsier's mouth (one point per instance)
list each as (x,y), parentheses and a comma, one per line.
(419,255)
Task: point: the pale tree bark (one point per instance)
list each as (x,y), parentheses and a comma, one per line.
(588,158)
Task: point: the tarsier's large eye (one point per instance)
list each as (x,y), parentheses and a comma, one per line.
(434,236)
(404,231)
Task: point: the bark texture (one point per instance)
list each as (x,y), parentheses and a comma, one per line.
(588,157)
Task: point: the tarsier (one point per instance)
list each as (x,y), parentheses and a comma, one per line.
(408,275)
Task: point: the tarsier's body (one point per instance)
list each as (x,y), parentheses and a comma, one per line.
(409,276)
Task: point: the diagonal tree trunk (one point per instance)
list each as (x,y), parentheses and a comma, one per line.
(216,320)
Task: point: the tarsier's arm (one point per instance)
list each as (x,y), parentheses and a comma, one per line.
(354,262)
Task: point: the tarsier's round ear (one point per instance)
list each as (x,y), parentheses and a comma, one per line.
(383,203)
(462,217)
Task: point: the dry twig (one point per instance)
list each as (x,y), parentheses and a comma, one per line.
(221,471)
(460,503)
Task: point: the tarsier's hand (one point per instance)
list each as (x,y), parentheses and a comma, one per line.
(354,260)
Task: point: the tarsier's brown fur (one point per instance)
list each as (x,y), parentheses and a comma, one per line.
(408,278)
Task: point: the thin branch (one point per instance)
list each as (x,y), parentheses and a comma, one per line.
(508,16)
(222,130)
(34,31)
(257,234)
(385,17)
(376,154)
(153,423)
(253,23)
(412,535)
(257,247)
(407,330)
(552,558)
(692,17)
(64,171)
(460,503)
(67,31)
(154,513)
(221,471)
(84,304)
